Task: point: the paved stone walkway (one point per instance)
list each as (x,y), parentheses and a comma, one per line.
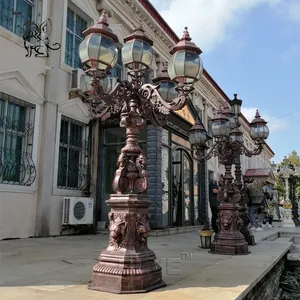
(60,268)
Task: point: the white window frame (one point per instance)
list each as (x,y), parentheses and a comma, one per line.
(35,99)
(55,189)
(27,141)
(92,14)
(37,9)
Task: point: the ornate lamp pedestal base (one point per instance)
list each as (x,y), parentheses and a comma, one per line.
(229,240)
(127,265)
(249,237)
(287,220)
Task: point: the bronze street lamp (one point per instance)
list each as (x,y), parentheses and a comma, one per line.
(229,145)
(236,134)
(127,265)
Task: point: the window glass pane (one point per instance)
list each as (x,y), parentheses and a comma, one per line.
(69,48)
(64,132)
(187,183)
(76,135)
(114,135)
(2,109)
(80,26)
(70,19)
(6,14)
(196,189)
(165,136)
(77,61)
(165,185)
(73,168)
(16,117)
(12,157)
(1,143)
(62,166)
(110,157)
(25,13)
(117,135)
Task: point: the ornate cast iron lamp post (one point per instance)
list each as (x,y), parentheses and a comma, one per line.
(127,265)
(227,147)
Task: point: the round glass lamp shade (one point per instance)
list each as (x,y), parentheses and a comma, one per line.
(220,126)
(137,52)
(237,135)
(198,135)
(98,51)
(259,128)
(231,117)
(86,84)
(167,90)
(167,87)
(185,65)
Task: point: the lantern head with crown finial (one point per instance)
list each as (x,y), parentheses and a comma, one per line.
(98,51)
(198,135)
(185,66)
(137,52)
(259,128)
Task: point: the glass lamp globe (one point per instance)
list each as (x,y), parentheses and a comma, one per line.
(198,135)
(259,128)
(167,87)
(137,52)
(220,126)
(185,66)
(231,117)
(237,135)
(98,51)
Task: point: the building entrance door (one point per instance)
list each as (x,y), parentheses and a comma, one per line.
(182,198)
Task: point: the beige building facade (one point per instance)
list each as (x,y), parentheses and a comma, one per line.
(50,149)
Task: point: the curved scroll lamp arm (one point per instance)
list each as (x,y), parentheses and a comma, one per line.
(151,103)
(102,105)
(149,92)
(202,154)
(256,151)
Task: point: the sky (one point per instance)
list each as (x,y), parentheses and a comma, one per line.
(252,48)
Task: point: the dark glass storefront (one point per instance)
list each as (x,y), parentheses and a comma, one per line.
(180,184)
(112,141)
(177,198)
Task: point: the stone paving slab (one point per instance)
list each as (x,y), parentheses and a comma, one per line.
(60,268)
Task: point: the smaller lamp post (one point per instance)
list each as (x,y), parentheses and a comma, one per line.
(229,145)
(289,172)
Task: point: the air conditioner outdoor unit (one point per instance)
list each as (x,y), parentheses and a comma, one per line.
(80,82)
(77,211)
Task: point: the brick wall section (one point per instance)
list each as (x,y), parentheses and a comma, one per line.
(269,287)
(154,162)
